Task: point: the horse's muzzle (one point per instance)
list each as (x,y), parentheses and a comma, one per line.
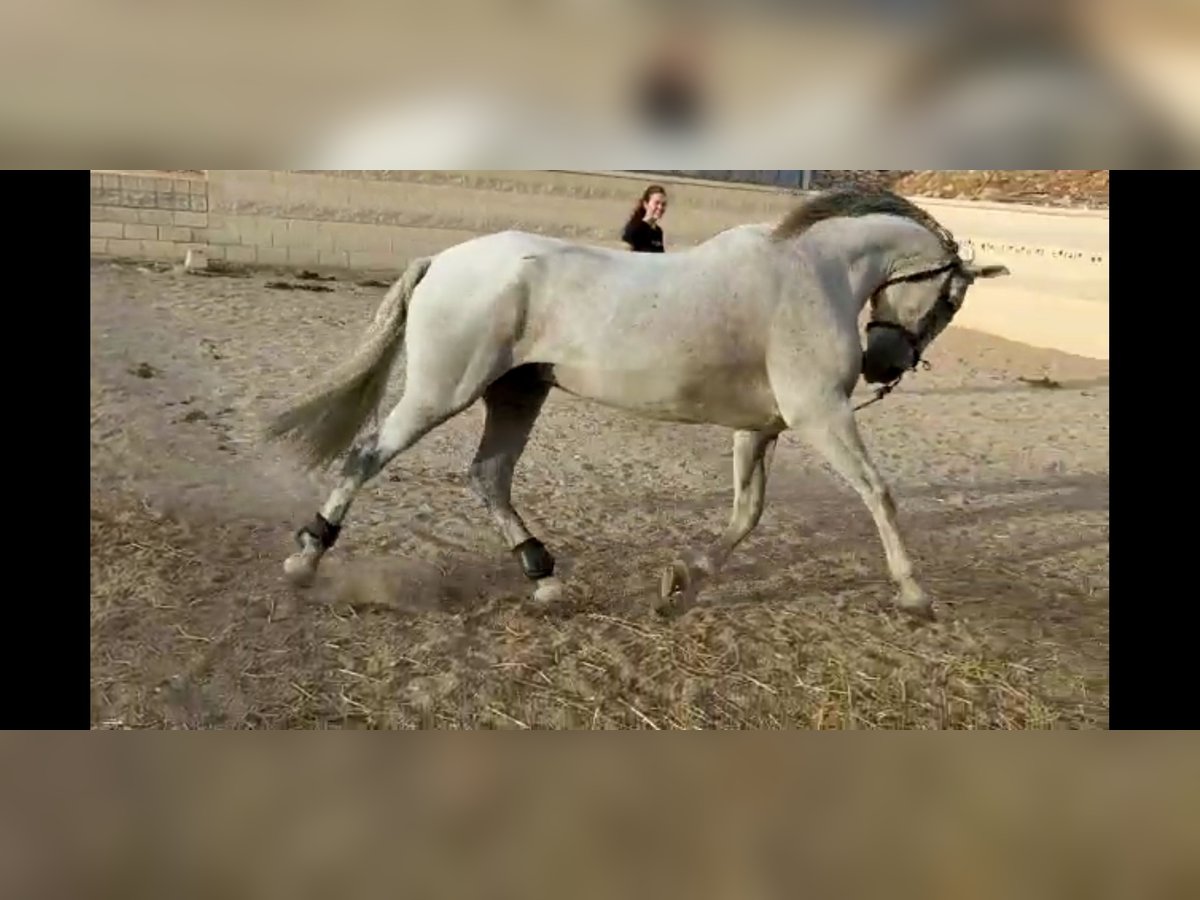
(880,373)
(889,354)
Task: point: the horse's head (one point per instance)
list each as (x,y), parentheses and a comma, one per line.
(913,307)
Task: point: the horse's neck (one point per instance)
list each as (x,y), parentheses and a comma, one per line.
(863,255)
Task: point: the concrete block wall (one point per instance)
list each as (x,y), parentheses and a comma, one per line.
(378,220)
(148,215)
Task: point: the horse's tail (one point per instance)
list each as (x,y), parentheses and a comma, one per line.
(324,421)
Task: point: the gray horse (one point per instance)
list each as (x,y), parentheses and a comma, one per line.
(756,329)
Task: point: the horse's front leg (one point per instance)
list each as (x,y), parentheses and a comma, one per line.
(681,581)
(830,428)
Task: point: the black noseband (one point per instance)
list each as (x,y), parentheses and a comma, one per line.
(914,340)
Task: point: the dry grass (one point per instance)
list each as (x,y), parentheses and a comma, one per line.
(185,640)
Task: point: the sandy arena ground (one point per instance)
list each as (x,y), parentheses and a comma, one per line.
(421,618)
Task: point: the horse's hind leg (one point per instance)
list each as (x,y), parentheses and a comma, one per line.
(417,413)
(512,404)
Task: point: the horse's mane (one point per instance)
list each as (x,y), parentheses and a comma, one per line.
(841,202)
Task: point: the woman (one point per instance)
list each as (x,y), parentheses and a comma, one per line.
(642,232)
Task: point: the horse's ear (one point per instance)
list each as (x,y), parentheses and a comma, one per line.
(994,271)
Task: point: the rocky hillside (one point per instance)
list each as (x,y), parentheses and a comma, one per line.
(1083,188)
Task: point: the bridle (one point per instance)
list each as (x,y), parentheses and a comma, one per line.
(940,306)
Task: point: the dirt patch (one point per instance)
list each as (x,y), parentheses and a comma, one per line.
(188,638)
(421,619)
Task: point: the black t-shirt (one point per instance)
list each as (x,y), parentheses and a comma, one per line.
(643,237)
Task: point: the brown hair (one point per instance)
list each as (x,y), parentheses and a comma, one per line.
(639,211)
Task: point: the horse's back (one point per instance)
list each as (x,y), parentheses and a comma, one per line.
(512,245)
(681,336)
(520,275)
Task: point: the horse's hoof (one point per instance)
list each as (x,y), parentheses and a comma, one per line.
(675,578)
(549,590)
(920,613)
(676,590)
(300,569)
(915,602)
